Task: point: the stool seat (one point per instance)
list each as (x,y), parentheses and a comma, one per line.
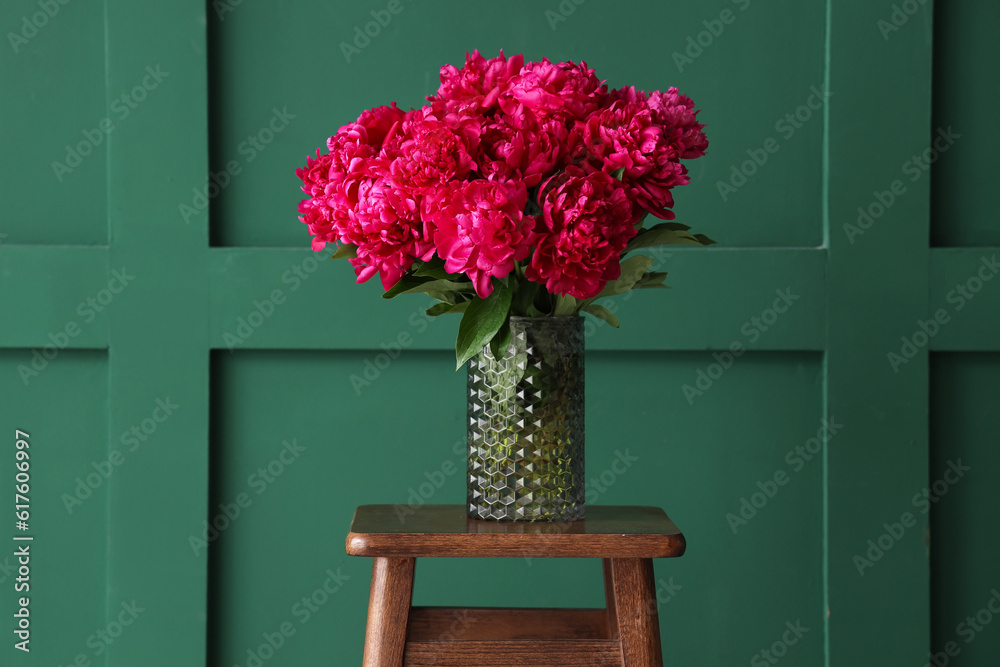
(444,530)
(624,633)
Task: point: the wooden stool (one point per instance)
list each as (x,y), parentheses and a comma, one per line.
(626,632)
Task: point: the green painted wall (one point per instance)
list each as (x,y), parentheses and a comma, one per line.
(153,411)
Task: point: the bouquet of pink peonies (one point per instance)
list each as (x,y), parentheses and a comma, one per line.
(518,190)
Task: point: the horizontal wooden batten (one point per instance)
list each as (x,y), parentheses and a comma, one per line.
(965,285)
(79,288)
(261,298)
(542,653)
(470,623)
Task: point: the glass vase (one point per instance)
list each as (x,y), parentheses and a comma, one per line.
(526,424)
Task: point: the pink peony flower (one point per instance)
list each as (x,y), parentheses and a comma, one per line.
(316,173)
(349,150)
(383,221)
(519,147)
(586,222)
(451,179)
(676,115)
(628,94)
(481,81)
(429,150)
(361,139)
(479,229)
(623,136)
(564,91)
(646,136)
(370,129)
(319,219)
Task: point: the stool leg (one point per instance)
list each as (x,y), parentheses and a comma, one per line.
(388,611)
(635,607)
(609,600)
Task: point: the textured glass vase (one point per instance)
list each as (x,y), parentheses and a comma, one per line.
(526,418)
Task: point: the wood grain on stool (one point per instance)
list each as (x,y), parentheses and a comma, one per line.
(388,611)
(444,530)
(638,620)
(625,633)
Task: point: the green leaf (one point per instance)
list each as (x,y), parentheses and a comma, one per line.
(445,308)
(618,173)
(482,319)
(501,339)
(678,226)
(434,268)
(416,285)
(651,280)
(602,313)
(667,233)
(405,283)
(346,251)
(633,269)
(565,305)
(442,286)
(446,297)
